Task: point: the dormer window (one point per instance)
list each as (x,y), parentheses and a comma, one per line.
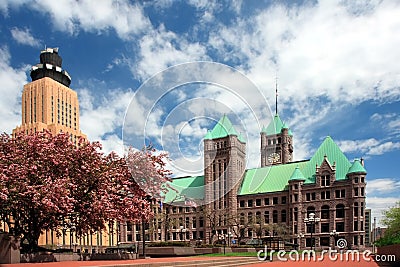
(325,180)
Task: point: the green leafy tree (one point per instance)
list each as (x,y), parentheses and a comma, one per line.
(392,221)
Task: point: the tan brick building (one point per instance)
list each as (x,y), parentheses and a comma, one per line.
(272,202)
(49,104)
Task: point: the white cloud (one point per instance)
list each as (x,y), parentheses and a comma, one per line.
(363,146)
(160,48)
(389,122)
(368,147)
(321,51)
(24,36)
(102,115)
(382,185)
(11,86)
(124,18)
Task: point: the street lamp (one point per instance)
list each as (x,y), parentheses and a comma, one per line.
(300,236)
(333,234)
(224,236)
(311,220)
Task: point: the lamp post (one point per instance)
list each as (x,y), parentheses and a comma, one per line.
(333,234)
(225,236)
(311,220)
(300,236)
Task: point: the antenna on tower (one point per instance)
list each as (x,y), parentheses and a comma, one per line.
(276,94)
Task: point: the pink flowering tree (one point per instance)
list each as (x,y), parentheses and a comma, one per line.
(46,183)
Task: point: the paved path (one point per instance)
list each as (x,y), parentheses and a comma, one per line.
(203,261)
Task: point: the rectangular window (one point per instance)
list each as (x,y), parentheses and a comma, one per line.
(356,192)
(340,193)
(266,217)
(355,223)
(313,196)
(266,201)
(340,227)
(283,200)
(362,191)
(325,195)
(241,203)
(325,180)
(296,197)
(308,197)
(258,202)
(275,201)
(324,241)
(324,227)
(250,203)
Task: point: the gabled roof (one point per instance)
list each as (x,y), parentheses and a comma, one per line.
(276,177)
(357,167)
(182,188)
(297,175)
(272,178)
(275,126)
(335,156)
(222,129)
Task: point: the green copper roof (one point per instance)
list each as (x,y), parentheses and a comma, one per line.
(297,175)
(276,126)
(275,178)
(241,138)
(268,179)
(271,178)
(208,135)
(222,129)
(357,167)
(182,188)
(333,153)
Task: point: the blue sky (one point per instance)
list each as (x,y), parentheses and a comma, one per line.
(337,64)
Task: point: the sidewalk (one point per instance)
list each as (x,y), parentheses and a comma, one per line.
(202,261)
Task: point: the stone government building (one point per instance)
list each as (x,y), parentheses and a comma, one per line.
(265,202)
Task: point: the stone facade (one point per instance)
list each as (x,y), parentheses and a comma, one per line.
(227,215)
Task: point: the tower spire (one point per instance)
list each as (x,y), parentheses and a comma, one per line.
(276,95)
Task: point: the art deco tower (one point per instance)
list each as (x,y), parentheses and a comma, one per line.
(47,102)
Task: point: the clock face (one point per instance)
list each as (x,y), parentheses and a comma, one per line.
(274,157)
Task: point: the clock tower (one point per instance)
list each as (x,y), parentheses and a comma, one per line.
(276,143)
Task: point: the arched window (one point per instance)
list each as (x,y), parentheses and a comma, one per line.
(258,217)
(310,210)
(275,216)
(283,216)
(340,211)
(250,217)
(266,217)
(325,212)
(241,218)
